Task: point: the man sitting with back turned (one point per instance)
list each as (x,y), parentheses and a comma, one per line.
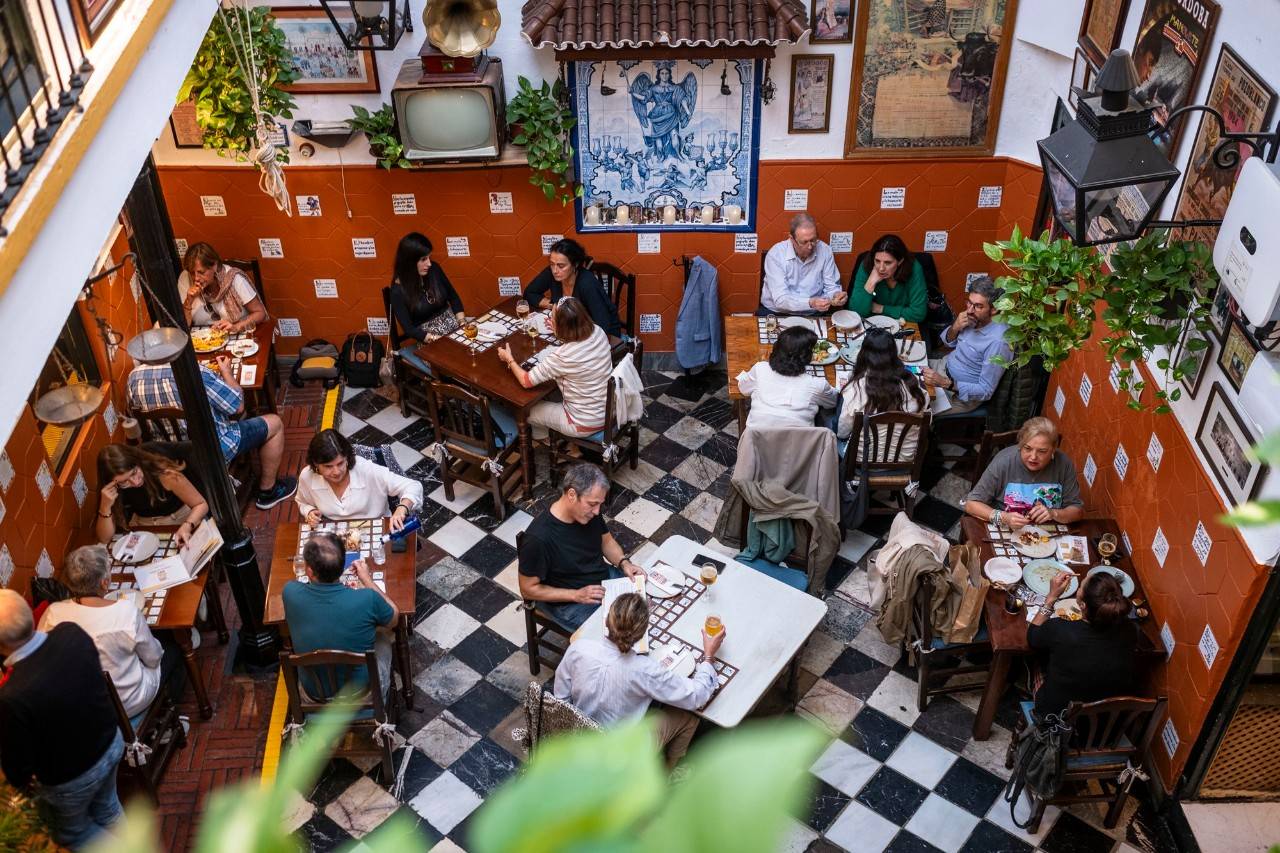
(59,738)
(326,614)
(968,372)
(567,552)
(800,275)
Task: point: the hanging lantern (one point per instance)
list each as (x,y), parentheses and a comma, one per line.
(73,402)
(368,24)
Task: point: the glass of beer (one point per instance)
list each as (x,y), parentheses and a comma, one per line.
(470,329)
(1106,547)
(771,324)
(522,310)
(707,574)
(713,626)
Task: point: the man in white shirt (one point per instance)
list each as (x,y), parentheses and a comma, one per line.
(800,275)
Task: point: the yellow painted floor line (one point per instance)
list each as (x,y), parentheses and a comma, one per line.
(271,754)
(331,399)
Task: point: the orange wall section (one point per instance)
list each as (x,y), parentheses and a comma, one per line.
(843,196)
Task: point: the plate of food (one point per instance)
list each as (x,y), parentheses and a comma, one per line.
(882,322)
(243,348)
(1068,609)
(133,596)
(913,352)
(136,547)
(208,339)
(824,352)
(1038,573)
(1032,541)
(1126,582)
(1002,570)
(664,581)
(846,320)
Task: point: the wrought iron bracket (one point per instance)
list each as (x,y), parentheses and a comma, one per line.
(1226,154)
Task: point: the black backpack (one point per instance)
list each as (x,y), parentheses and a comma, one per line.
(361,355)
(318,359)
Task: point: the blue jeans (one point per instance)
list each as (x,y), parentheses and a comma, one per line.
(77,810)
(571,614)
(253,434)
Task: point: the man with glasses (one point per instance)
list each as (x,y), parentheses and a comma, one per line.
(800,275)
(969,372)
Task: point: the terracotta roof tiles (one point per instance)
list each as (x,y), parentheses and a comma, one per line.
(585,24)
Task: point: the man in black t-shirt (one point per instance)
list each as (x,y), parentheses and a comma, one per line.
(567,552)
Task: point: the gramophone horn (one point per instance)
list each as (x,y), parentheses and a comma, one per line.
(461,27)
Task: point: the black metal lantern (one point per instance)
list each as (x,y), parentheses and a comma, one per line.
(1107,178)
(368,24)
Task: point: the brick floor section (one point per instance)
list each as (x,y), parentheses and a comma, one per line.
(228,748)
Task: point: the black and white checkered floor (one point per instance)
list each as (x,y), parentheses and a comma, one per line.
(891,779)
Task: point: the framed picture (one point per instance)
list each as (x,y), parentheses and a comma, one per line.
(1172,45)
(1246,103)
(1101,28)
(1224,440)
(1237,354)
(810,110)
(92,17)
(1044,219)
(1220,312)
(832,21)
(186,132)
(1195,375)
(1083,73)
(928,77)
(324,66)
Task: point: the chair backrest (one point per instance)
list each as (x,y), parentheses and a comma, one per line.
(1019,396)
(887,452)
(921,598)
(122,716)
(162,424)
(461,420)
(251,268)
(546,716)
(621,288)
(1123,726)
(396,334)
(993,443)
(328,671)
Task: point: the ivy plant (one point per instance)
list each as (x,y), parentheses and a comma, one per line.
(541,120)
(1049,296)
(379,127)
(239,40)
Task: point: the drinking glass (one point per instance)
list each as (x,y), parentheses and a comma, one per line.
(379,553)
(531,329)
(300,568)
(771,324)
(470,330)
(522,310)
(707,574)
(1106,547)
(713,626)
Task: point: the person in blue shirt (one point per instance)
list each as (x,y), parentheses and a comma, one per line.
(327,614)
(969,372)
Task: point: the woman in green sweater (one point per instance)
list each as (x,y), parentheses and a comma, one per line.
(890,282)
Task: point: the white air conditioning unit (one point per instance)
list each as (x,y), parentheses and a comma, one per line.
(1247,251)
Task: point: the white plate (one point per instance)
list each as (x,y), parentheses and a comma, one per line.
(1038,573)
(665,655)
(789,322)
(882,322)
(1002,570)
(1126,582)
(915,353)
(833,355)
(132,595)
(1044,548)
(846,320)
(243,348)
(135,547)
(1069,609)
(492,329)
(663,581)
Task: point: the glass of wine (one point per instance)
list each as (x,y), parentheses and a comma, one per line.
(522,310)
(1106,547)
(708,575)
(531,329)
(470,330)
(771,324)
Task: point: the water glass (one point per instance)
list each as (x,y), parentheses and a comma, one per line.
(379,553)
(300,568)
(771,323)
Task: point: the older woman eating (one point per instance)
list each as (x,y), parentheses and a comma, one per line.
(217,294)
(1030,483)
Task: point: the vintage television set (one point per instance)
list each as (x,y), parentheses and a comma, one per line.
(450,118)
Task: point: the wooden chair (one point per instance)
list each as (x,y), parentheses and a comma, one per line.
(538,624)
(411,383)
(931,645)
(991,444)
(331,670)
(1108,737)
(621,288)
(597,442)
(546,716)
(253,269)
(148,760)
(169,424)
(892,469)
(465,427)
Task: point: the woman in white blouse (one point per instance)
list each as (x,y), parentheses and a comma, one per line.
(339,486)
(880,383)
(782,393)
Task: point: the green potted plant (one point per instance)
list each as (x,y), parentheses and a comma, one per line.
(379,127)
(540,120)
(238,42)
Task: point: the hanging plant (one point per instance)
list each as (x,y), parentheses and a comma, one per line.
(243,54)
(379,128)
(1049,296)
(541,120)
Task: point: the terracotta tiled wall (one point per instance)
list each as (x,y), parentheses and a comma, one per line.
(843,196)
(34,524)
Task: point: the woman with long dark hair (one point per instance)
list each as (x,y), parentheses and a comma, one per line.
(145,485)
(890,281)
(567,275)
(781,390)
(880,383)
(423,300)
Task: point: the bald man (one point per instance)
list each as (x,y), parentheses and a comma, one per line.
(800,275)
(59,740)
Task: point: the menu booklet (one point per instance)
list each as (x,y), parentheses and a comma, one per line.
(183,566)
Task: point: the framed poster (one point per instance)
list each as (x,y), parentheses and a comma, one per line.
(810,110)
(654,134)
(1195,373)
(1224,440)
(1237,354)
(928,77)
(323,64)
(1220,312)
(832,22)
(1173,41)
(1101,28)
(186,132)
(1246,103)
(1044,218)
(1083,73)
(92,17)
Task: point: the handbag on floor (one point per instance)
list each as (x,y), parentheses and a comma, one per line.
(1039,766)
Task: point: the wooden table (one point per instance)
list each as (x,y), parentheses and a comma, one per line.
(399,575)
(766,625)
(490,377)
(1009,631)
(262,390)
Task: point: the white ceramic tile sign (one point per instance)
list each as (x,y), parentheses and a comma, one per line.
(935,241)
(213,205)
(970,278)
(2,510)
(1160,547)
(404,204)
(6,566)
(364,247)
(549,240)
(1202,543)
(509,285)
(110,418)
(745,244)
(44,565)
(893,198)
(326,288)
(990,196)
(181,246)
(501,203)
(458,247)
(289,327)
(1208,646)
(270,247)
(1169,737)
(1114,376)
(795,200)
(308,205)
(648,244)
(1166,639)
(650,323)
(1121,462)
(1155,452)
(841,242)
(377,326)
(79,488)
(1059,401)
(6,471)
(1090,469)
(1086,388)
(135,286)
(1128,546)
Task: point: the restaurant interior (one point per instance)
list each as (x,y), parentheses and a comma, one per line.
(808,283)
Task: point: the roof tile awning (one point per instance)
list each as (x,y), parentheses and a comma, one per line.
(595,24)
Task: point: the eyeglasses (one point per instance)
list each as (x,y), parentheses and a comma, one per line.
(978,306)
(810,242)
